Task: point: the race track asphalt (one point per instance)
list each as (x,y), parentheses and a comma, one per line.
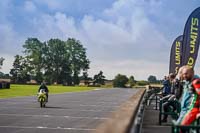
(65,113)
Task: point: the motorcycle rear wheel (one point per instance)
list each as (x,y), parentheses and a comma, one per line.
(41,104)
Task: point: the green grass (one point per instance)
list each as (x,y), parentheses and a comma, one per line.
(31,90)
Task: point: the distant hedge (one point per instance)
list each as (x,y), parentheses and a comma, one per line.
(142,83)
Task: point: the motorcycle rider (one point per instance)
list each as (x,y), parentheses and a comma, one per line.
(43,86)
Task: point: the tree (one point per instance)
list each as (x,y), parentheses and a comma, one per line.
(99,78)
(55,60)
(85,78)
(1,75)
(34,51)
(1,62)
(4,76)
(152,79)
(77,58)
(120,81)
(19,72)
(131,81)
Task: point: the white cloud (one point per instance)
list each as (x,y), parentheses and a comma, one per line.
(30,6)
(7,63)
(66,25)
(102,33)
(10,45)
(9,39)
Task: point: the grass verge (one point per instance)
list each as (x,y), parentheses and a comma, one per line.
(31,90)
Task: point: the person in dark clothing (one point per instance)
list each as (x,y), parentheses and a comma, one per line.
(170,98)
(43,86)
(173,98)
(166,87)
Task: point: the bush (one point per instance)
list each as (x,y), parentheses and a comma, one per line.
(120,81)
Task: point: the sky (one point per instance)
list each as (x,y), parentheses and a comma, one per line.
(131,37)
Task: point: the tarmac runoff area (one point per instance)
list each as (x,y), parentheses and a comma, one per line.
(78,112)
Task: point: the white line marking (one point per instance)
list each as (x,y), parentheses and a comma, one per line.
(97,89)
(84,129)
(68,117)
(41,127)
(100,106)
(101,118)
(84,110)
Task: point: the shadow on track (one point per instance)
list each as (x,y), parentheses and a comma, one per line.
(51,107)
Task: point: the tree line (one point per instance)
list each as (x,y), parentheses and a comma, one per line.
(123,81)
(51,61)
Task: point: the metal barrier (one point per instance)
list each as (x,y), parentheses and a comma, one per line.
(185,129)
(152,94)
(137,126)
(174,113)
(145,100)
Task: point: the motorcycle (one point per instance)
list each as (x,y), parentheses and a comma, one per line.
(42,98)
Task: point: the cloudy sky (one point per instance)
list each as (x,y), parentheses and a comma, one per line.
(131,37)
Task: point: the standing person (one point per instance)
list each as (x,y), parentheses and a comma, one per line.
(166,86)
(190,97)
(43,86)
